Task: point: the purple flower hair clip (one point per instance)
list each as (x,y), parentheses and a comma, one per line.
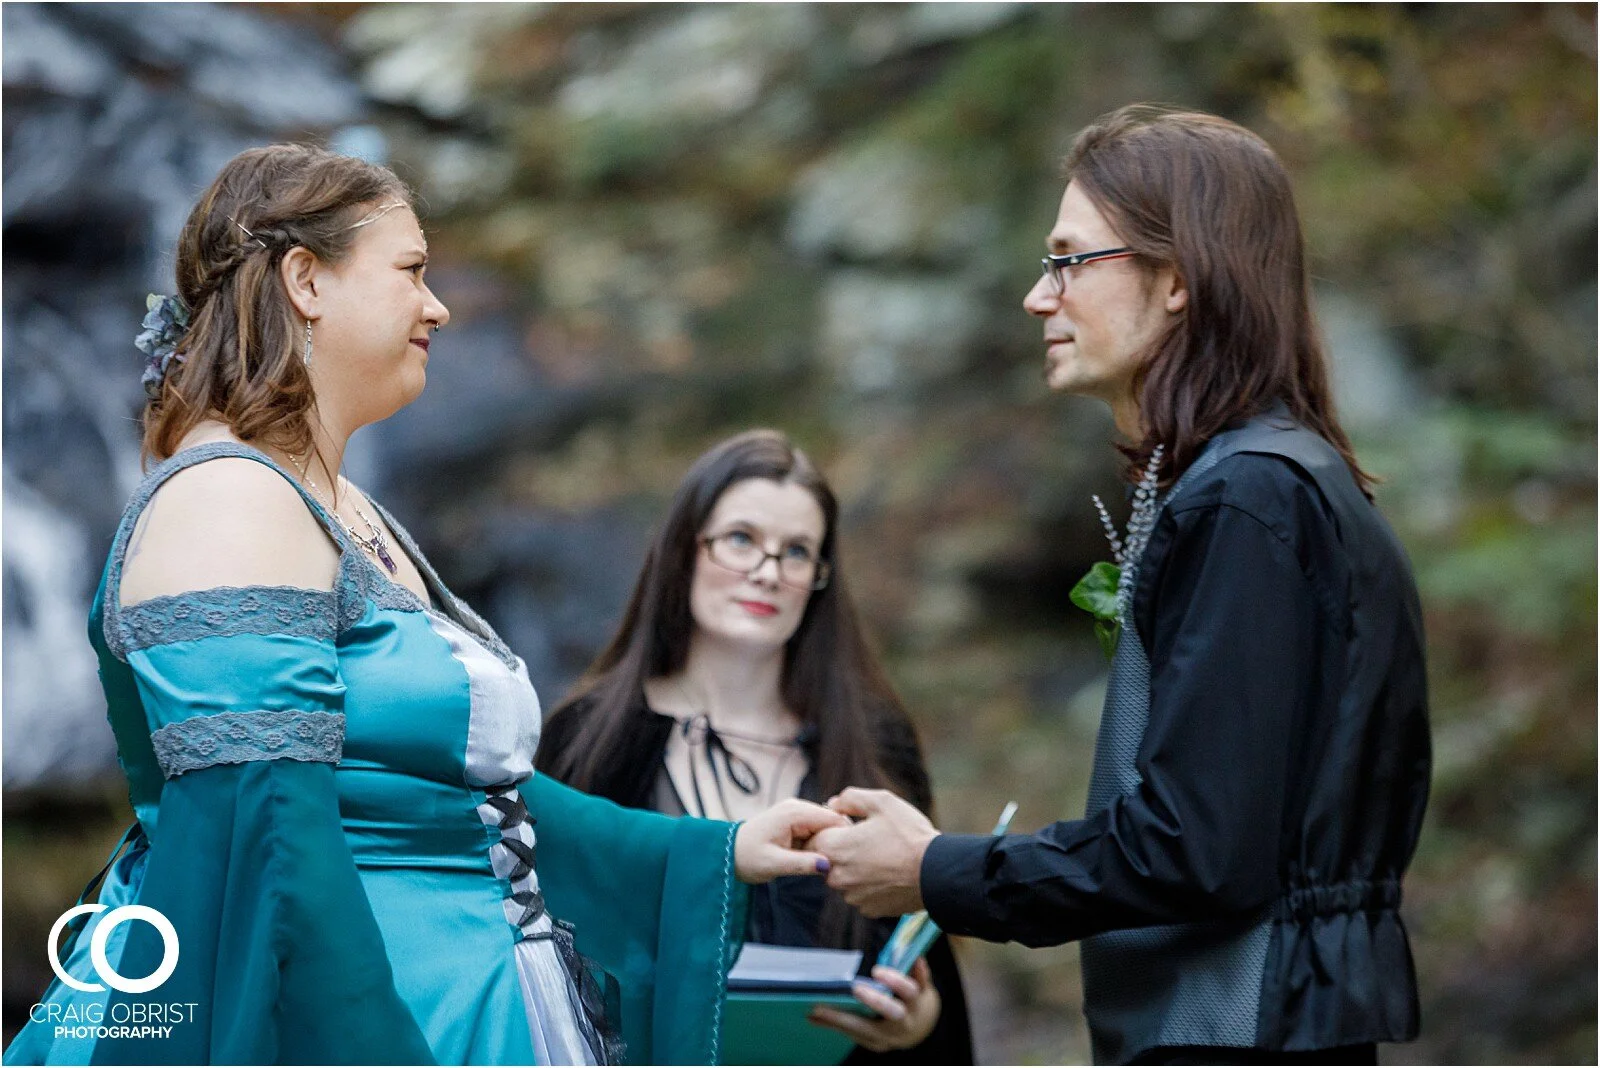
(166,320)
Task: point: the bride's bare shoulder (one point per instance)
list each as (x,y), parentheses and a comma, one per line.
(226,521)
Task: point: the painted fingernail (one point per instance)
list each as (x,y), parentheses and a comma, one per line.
(823,867)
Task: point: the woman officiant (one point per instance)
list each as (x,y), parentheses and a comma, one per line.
(738,677)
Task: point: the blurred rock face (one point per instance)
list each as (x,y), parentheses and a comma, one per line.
(116,116)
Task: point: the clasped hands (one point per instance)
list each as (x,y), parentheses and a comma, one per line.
(875,864)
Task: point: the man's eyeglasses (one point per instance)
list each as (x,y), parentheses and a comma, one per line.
(737,550)
(1055,265)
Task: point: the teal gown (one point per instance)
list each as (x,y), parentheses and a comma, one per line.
(337,811)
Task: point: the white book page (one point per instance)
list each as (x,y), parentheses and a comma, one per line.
(759,963)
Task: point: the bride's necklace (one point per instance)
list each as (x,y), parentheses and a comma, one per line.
(374,544)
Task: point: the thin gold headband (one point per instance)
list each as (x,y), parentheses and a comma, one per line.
(377,213)
(371,217)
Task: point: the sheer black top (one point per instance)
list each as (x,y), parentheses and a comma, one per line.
(787,910)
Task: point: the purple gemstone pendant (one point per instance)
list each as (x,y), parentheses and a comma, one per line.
(383,556)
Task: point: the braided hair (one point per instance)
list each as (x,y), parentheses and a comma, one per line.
(239,358)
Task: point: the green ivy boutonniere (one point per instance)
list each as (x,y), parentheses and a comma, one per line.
(1096,593)
(1107,589)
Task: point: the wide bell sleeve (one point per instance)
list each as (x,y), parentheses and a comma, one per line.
(280,956)
(655,902)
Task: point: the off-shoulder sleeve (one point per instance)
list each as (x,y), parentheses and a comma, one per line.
(280,955)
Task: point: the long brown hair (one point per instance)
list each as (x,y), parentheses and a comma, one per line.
(1210,199)
(831,680)
(240,358)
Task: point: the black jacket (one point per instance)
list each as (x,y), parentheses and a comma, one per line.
(786,911)
(1284,765)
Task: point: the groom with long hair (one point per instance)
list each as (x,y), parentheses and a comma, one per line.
(1262,764)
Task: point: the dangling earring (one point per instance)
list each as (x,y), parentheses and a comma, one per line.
(307,356)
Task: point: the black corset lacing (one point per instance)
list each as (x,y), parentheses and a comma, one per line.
(596,998)
(505,799)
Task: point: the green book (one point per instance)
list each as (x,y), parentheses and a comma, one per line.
(771,990)
(766,1028)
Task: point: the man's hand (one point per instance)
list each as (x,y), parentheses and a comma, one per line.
(774,842)
(877,863)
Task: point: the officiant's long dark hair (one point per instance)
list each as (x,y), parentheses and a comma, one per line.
(831,681)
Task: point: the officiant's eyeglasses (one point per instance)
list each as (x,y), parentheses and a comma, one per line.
(1054,266)
(738,550)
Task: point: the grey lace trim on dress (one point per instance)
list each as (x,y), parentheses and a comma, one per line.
(242,737)
(229,610)
(359,581)
(118,636)
(479,628)
(469,620)
(369,584)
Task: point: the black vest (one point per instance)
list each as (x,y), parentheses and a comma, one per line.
(1189,984)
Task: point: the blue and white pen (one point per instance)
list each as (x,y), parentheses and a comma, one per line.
(915,932)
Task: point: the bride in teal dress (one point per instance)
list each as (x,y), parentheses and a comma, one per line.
(330,757)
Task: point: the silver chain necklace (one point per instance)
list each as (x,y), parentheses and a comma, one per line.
(374,544)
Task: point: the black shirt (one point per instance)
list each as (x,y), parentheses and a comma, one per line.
(1285,762)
